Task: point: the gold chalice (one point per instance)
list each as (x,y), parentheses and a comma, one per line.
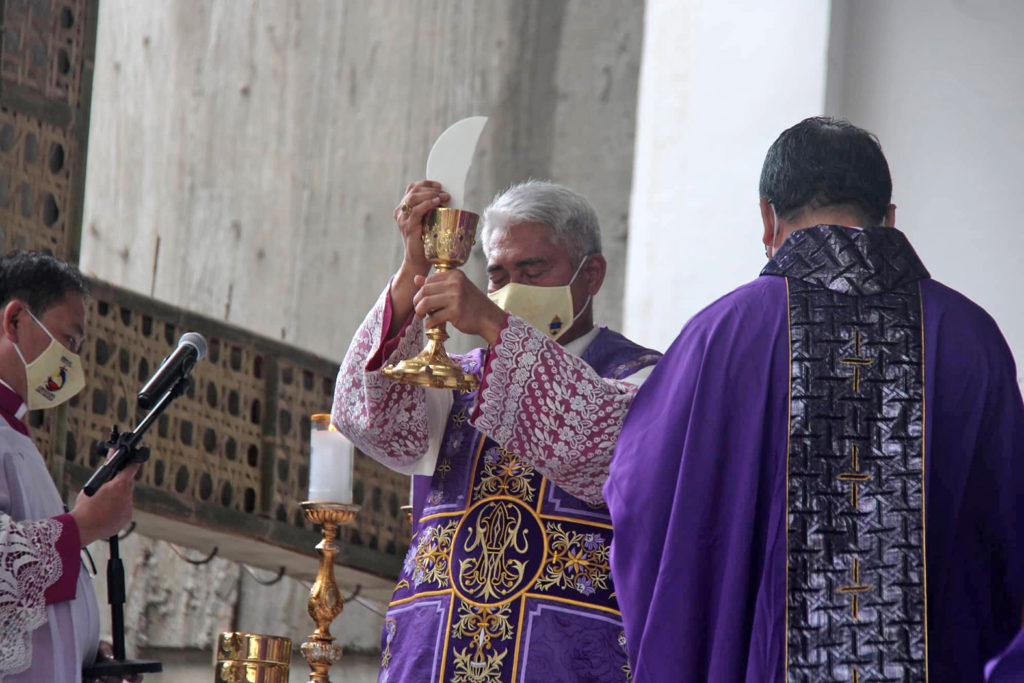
(448,238)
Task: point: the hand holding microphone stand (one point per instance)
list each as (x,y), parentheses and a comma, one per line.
(168,383)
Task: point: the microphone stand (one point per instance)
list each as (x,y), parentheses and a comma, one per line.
(126,451)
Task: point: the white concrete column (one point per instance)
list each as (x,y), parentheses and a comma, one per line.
(719,81)
(940,84)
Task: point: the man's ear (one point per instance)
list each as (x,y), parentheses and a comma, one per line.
(594,271)
(768,221)
(890,216)
(11,318)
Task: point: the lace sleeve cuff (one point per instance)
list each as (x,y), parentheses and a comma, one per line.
(68,546)
(386,420)
(30,564)
(387,347)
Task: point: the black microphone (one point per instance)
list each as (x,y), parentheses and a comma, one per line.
(191,348)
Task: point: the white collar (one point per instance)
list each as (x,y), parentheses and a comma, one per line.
(20,412)
(577,346)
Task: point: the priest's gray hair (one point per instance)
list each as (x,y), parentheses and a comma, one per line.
(566,212)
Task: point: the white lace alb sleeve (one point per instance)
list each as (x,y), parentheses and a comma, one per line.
(552,409)
(29,564)
(389,421)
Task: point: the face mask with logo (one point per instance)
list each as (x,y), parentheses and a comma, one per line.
(549,309)
(54,376)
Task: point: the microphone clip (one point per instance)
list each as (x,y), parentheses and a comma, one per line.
(122,440)
(125,445)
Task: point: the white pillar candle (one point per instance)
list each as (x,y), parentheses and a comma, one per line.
(330,463)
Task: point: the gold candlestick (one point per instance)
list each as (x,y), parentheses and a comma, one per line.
(325,600)
(448,237)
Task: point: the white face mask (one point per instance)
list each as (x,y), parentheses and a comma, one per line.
(549,309)
(54,376)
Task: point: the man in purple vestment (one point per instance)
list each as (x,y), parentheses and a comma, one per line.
(507,576)
(820,480)
(49,621)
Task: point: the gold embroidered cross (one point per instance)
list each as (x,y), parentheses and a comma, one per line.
(856,361)
(855,589)
(855,478)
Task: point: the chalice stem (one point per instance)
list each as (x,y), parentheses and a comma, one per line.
(438,335)
(447,240)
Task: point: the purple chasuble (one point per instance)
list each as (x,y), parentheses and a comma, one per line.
(507,576)
(710,457)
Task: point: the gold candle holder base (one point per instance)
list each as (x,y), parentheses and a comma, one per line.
(448,237)
(325,600)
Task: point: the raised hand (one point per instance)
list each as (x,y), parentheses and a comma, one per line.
(449,297)
(420,198)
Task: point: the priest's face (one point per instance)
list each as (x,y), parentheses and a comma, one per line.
(530,254)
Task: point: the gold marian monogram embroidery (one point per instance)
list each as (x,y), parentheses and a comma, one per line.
(492,575)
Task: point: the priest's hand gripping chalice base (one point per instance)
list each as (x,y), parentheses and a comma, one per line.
(448,237)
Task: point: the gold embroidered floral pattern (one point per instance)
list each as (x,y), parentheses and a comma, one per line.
(477,668)
(430,564)
(575,561)
(625,667)
(391,627)
(504,474)
(436,496)
(483,623)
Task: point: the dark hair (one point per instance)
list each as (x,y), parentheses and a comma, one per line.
(38,279)
(822,162)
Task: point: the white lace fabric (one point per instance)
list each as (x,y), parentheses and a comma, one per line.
(552,409)
(384,419)
(29,564)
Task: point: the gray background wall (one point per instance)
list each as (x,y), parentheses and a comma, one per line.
(942,89)
(247,156)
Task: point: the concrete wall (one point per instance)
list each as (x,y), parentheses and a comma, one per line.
(719,81)
(940,83)
(246,157)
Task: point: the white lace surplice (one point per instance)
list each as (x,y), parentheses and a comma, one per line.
(55,639)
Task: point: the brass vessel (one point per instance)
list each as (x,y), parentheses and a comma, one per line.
(252,658)
(448,237)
